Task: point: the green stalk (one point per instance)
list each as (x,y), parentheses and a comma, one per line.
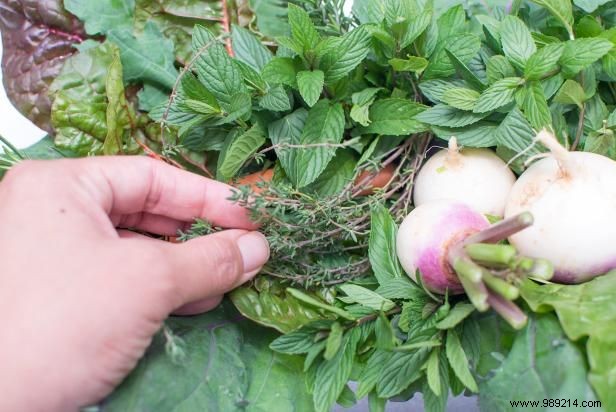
(500,286)
(542,269)
(502,230)
(508,310)
(475,290)
(490,253)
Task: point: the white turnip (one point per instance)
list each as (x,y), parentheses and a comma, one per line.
(477,177)
(572,196)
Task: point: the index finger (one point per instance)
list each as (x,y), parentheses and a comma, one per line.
(134,184)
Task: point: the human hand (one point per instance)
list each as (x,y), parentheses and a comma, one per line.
(82,299)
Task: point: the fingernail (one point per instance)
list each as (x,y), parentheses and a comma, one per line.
(254,249)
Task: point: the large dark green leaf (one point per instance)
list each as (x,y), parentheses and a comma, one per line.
(227,366)
(584,310)
(147,58)
(176,19)
(542,364)
(102,16)
(80,100)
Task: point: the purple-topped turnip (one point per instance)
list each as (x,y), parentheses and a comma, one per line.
(452,247)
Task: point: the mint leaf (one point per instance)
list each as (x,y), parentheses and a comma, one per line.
(459,312)
(249,49)
(498,67)
(571,93)
(461,98)
(281,70)
(394,117)
(360,112)
(370,374)
(252,79)
(336,176)
(464,47)
(497,95)
(601,142)
(323,130)
(287,131)
(399,371)
(398,288)
(518,44)
(102,16)
(434,89)
(562,10)
(366,297)
(369,11)
(416,25)
(302,28)
(535,106)
(458,361)
(334,341)
(382,246)
(216,70)
(481,134)
(447,116)
(238,149)
(332,375)
(544,61)
(275,99)
(516,133)
(345,54)
(296,342)
(310,84)
(580,53)
(412,64)
(590,6)
(466,73)
(451,22)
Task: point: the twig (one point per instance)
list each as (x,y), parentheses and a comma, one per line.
(226,27)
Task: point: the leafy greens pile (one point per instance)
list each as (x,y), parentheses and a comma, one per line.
(324,99)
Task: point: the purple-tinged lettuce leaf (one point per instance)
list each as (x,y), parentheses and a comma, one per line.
(81,113)
(38,37)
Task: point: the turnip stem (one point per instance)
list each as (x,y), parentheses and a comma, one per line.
(465,267)
(542,269)
(499,286)
(469,274)
(508,310)
(477,293)
(501,230)
(490,253)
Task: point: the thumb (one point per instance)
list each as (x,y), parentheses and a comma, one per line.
(212,265)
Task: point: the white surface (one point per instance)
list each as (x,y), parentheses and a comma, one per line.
(13,126)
